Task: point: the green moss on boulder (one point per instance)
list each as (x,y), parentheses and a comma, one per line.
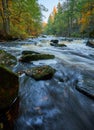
(26,52)
(6,59)
(58,45)
(41,73)
(35,57)
(8,87)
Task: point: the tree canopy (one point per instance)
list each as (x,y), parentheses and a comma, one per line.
(23,18)
(20,18)
(72,18)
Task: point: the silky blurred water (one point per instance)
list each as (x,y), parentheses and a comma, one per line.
(56,104)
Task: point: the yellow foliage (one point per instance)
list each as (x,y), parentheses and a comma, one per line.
(87,15)
(44,24)
(54,10)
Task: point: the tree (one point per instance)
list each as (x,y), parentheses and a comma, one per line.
(5,16)
(87,19)
(72,18)
(24,14)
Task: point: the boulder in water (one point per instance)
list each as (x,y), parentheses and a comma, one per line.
(7,59)
(86,91)
(87,86)
(8,88)
(26,52)
(35,57)
(57,45)
(54,41)
(41,73)
(90,44)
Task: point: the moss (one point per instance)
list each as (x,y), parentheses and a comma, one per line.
(8,87)
(34,57)
(26,52)
(61,45)
(41,73)
(57,45)
(6,59)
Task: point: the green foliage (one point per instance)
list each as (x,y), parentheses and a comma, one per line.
(73,18)
(22,18)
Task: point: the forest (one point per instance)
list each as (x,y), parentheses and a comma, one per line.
(46,68)
(23,18)
(19,18)
(72,18)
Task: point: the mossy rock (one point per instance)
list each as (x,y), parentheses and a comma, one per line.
(8,87)
(61,45)
(35,57)
(57,45)
(6,59)
(41,73)
(26,52)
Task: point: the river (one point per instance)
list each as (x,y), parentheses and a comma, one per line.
(56,104)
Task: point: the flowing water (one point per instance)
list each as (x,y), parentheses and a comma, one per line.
(56,104)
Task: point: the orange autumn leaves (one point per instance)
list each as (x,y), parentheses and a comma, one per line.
(87,15)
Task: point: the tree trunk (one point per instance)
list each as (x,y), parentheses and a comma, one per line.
(6,22)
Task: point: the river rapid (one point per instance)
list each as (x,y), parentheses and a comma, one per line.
(56,104)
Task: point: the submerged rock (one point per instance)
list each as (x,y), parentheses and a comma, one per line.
(90,44)
(86,91)
(35,57)
(87,86)
(7,59)
(41,73)
(8,87)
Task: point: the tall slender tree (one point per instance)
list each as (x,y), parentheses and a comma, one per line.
(5,17)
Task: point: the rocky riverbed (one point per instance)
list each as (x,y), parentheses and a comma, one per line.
(65,101)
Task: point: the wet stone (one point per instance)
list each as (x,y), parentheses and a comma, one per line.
(6,59)
(87,87)
(8,88)
(35,57)
(90,44)
(41,72)
(86,91)
(26,52)
(54,41)
(57,45)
